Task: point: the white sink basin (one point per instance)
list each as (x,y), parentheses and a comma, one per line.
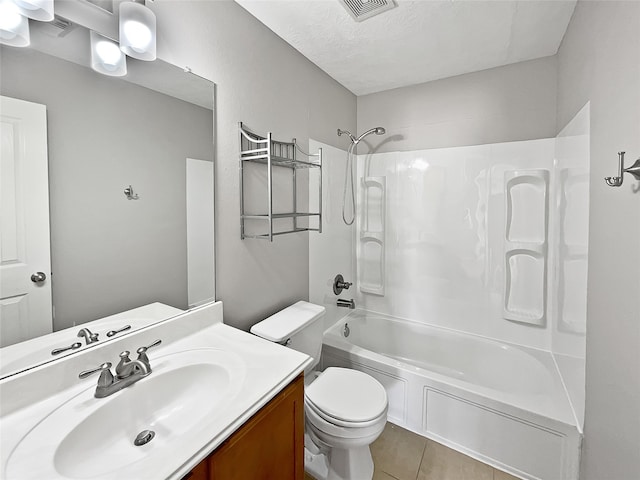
(87,437)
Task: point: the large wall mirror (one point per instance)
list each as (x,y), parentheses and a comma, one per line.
(128,216)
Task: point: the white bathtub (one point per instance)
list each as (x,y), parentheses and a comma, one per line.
(502,404)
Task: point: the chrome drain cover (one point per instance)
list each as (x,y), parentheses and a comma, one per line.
(144,437)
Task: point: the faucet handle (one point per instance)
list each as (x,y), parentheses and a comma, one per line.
(124,360)
(154,344)
(111,333)
(142,351)
(106,377)
(339,284)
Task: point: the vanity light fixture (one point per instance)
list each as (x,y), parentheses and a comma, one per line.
(14,27)
(106,56)
(41,10)
(137,31)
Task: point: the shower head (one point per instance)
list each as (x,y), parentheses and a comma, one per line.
(376,130)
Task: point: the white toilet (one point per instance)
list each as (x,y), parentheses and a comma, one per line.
(346,410)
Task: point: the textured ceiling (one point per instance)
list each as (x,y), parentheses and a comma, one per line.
(417,41)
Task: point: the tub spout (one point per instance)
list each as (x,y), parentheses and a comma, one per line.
(346,303)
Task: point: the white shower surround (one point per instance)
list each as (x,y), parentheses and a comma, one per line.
(452,218)
(445,241)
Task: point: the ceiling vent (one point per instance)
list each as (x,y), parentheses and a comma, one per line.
(362,9)
(58,27)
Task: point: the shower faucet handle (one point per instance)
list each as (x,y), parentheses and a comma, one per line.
(339,284)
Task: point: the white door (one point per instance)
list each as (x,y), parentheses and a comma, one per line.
(200,241)
(25,258)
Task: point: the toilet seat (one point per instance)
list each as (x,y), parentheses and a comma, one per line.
(340,436)
(347,398)
(313,411)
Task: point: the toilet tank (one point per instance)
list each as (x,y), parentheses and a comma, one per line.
(298,326)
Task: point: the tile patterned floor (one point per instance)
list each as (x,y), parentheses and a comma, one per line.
(403,455)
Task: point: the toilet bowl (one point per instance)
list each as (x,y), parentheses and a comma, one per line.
(345,410)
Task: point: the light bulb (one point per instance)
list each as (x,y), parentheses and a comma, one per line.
(41,10)
(14,27)
(138,33)
(106,57)
(108,52)
(10,17)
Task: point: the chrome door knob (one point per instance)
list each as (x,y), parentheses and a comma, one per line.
(38,277)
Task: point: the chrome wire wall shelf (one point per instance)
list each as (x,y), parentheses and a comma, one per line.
(271,153)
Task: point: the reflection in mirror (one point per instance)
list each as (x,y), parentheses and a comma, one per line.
(129,203)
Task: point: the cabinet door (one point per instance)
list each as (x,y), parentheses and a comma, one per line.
(270,446)
(201,472)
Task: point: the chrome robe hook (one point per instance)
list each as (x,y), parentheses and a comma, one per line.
(130,194)
(633,170)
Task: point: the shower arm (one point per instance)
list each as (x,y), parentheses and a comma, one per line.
(345,132)
(355,141)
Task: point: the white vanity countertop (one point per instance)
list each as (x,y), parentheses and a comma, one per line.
(28,398)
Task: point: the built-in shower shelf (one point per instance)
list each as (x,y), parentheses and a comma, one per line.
(272,153)
(526,246)
(371,245)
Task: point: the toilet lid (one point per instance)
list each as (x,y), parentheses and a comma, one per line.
(347,395)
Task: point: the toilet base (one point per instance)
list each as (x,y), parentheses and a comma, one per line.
(351,464)
(337,463)
(316,465)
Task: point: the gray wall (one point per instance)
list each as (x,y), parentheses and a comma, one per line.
(503,104)
(265,83)
(599,60)
(109,253)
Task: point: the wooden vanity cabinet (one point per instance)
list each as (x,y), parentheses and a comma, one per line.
(269,446)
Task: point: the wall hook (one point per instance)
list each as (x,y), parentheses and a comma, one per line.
(130,194)
(633,170)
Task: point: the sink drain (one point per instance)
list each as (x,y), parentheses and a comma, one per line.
(144,437)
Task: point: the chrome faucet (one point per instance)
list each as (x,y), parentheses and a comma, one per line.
(346,303)
(127,371)
(88,336)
